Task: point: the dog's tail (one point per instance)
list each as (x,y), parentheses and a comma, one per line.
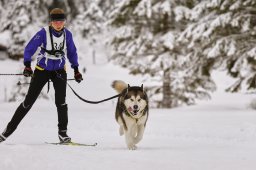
(119,85)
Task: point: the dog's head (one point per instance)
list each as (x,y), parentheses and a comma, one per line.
(135,100)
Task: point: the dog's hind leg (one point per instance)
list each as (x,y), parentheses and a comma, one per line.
(140,132)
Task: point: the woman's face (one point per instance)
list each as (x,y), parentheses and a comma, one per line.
(58,25)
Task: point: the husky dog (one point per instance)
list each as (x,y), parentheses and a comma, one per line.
(131,112)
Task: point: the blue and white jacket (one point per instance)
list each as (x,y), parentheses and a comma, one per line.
(45,60)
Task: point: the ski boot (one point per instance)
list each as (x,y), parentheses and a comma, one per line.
(2,138)
(64,138)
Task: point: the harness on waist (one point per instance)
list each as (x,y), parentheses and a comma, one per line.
(58,53)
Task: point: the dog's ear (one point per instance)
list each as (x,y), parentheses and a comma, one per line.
(128,87)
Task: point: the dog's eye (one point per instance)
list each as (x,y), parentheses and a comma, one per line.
(139,100)
(132,100)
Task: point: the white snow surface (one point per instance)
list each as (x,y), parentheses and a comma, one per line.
(217,134)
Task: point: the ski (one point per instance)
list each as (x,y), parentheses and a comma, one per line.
(71,144)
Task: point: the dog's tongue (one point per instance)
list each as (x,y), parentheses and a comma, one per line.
(130,109)
(133,111)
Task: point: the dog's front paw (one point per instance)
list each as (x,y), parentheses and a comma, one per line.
(132,147)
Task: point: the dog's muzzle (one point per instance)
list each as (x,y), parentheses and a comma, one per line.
(134,111)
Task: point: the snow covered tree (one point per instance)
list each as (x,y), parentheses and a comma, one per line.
(19,18)
(90,18)
(222,35)
(146,43)
(90,24)
(19,21)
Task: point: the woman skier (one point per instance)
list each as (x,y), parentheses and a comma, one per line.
(56,43)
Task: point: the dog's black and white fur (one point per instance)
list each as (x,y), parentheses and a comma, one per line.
(131,112)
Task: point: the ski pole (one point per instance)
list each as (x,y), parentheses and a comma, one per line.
(20,83)
(6,74)
(70,79)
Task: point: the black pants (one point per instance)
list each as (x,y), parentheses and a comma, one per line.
(39,79)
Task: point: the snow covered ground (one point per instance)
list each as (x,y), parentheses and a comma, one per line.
(218,134)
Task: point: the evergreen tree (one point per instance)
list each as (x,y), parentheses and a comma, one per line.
(223,36)
(90,19)
(90,24)
(146,43)
(19,18)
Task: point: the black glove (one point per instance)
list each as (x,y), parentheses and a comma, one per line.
(77,75)
(27,70)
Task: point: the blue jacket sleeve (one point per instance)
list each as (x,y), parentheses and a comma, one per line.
(71,50)
(33,44)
